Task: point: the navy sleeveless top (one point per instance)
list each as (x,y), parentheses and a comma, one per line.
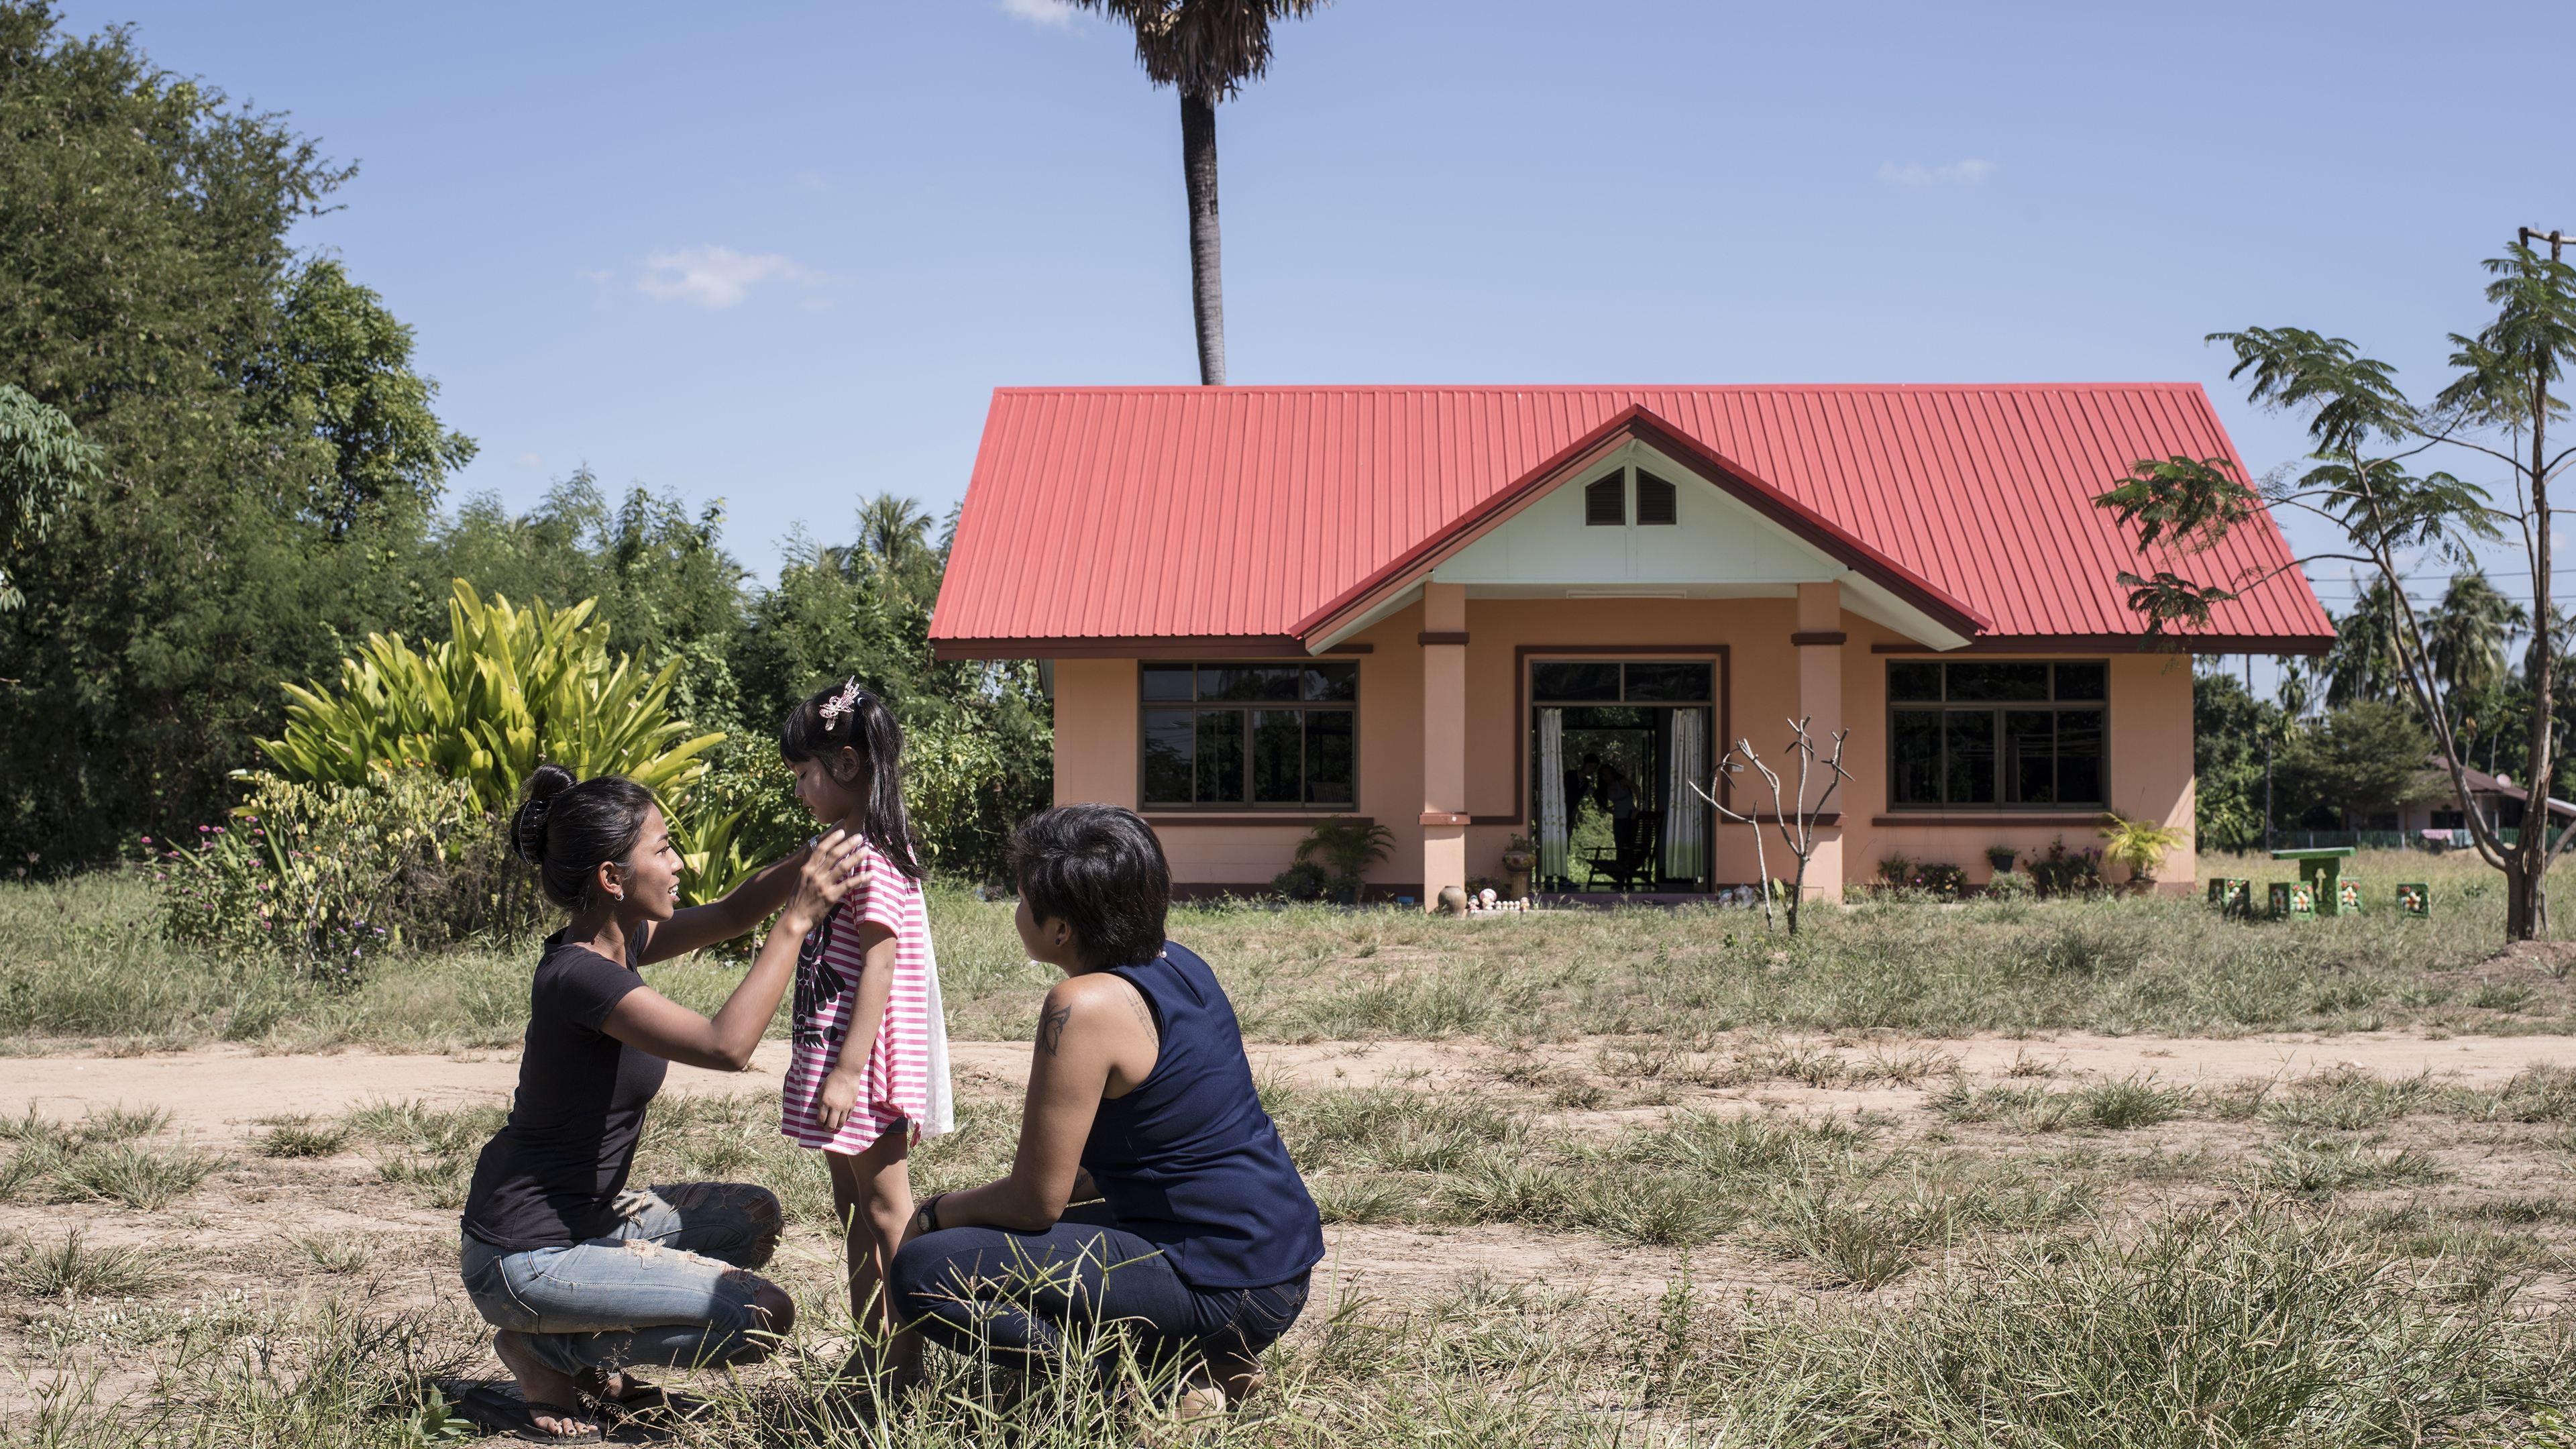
(1188,1160)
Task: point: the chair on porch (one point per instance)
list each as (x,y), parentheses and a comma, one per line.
(1635,856)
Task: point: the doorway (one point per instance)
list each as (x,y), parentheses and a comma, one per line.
(1614,748)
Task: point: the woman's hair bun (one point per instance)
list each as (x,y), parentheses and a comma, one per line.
(528,827)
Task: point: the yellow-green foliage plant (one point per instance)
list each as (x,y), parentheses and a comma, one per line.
(2141,845)
(511,688)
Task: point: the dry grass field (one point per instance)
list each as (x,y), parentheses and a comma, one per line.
(2115,1173)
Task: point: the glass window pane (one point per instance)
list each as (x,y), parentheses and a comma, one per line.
(1605,501)
(2030,757)
(2079,757)
(1165,681)
(1220,751)
(1169,751)
(1278,758)
(2083,681)
(1998,681)
(1685,682)
(1248,681)
(1329,756)
(1574,681)
(1968,749)
(1657,502)
(1910,682)
(1608,717)
(1914,764)
(1332,681)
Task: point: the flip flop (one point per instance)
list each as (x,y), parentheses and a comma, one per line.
(641,1399)
(496,1409)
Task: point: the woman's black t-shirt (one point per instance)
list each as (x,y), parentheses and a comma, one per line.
(550,1177)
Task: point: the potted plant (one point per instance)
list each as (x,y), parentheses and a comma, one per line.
(1518,857)
(2002,858)
(2141,845)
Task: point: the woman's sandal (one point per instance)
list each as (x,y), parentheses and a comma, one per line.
(643,1400)
(489,1407)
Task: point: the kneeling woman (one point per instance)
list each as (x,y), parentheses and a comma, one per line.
(581,1276)
(1140,1095)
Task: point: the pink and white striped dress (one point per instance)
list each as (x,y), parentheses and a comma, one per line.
(907,1065)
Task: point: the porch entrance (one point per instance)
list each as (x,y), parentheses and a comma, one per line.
(1614,745)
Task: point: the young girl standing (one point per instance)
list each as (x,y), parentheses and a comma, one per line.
(868,1076)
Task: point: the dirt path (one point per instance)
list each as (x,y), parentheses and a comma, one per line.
(223,1092)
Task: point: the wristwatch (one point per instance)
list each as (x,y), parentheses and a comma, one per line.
(925,1218)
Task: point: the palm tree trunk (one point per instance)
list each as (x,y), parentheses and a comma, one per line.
(1207,284)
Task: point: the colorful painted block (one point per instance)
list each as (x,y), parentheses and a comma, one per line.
(2415,900)
(2234,897)
(2293,900)
(2348,897)
(2218,891)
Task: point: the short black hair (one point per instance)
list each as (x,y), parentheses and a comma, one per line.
(1098,869)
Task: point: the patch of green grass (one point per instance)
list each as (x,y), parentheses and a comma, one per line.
(73,1268)
(2317,1166)
(2347,1101)
(301,1136)
(131,1174)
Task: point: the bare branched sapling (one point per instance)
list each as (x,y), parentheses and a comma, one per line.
(1797,825)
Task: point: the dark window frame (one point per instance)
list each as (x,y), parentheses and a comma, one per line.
(1617,479)
(1247,709)
(1998,711)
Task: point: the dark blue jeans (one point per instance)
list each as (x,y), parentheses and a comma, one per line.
(1017,1295)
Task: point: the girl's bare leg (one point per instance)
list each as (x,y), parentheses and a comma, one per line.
(872,1192)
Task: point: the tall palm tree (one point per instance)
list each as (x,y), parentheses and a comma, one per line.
(2297,690)
(2362,665)
(1206,50)
(2470,633)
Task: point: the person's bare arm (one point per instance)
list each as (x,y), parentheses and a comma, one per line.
(867,1017)
(742,908)
(649,1021)
(1089,1029)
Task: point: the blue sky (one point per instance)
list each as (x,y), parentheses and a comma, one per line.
(780,254)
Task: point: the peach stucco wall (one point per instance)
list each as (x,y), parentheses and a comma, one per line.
(2149,745)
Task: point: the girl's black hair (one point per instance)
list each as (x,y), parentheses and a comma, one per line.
(1100,870)
(858,721)
(569,829)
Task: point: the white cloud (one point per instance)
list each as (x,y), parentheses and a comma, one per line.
(1040,12)
(717,277)
(531,460)
(1957,173)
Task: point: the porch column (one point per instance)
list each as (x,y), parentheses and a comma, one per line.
(1444,740)
(1819,642)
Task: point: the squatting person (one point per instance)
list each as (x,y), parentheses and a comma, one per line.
(1140,1096)
(581,1275)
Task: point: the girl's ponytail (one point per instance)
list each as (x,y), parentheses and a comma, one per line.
(850,717)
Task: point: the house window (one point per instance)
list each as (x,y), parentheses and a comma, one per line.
(1253,736)
(1980,735)
(1657,500)
(1605,501)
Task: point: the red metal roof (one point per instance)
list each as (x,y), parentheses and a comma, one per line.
(1102,516)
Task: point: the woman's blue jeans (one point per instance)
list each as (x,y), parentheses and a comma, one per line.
(670,1285)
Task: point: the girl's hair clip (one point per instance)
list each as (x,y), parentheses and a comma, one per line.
(845,702)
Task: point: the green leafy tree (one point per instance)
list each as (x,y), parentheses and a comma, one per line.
(666,588)
(2229,731)
(149,294)
(2360,758)
(2367,434)
(45,465)
(1205,50)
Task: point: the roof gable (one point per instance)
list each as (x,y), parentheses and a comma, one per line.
(1103,517)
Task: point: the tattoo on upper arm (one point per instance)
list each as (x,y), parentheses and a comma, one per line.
(1144,1015)
(1051,1028)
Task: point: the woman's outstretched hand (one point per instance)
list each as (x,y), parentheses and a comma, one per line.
(828,874)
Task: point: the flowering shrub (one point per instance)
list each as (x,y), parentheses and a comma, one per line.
(2063,872)
(328,875)
(1932,877)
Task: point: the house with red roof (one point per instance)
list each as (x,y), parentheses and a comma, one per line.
(1478,616)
